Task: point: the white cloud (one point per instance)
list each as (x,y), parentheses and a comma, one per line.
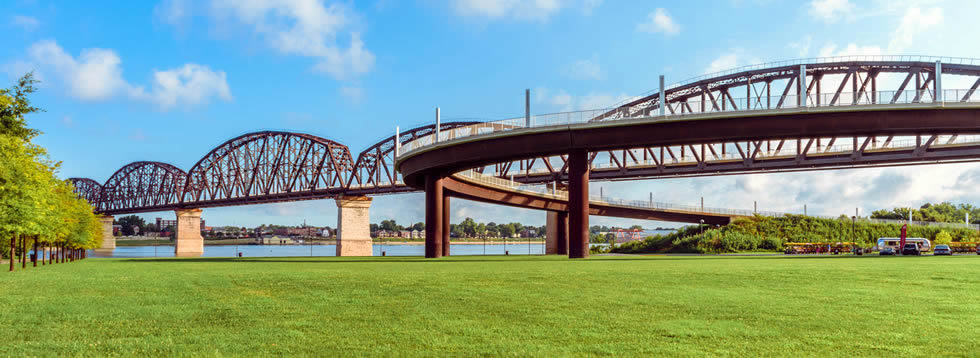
(96,75)
(831,49)
(189,85)
(561,101)
(830,11)
(27,23)
(659,22)
(914,24)
(803,46)
(353,93)
(537,10)
(309,28)
(724,62)
(173,12)
(587,69)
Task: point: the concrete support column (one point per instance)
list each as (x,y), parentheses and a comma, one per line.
(433,216)
(354,226)
(578,204)
(556,238)
(445,224)
(108,240)
(189,241)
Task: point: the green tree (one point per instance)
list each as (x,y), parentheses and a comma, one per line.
(15,105)
(943,237)
(130,222)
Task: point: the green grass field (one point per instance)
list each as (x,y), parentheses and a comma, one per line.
(495,306)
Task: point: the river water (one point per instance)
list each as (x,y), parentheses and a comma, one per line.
(317,250)
(330,250)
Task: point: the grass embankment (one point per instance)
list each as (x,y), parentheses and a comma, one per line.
(494,306)
(761,233)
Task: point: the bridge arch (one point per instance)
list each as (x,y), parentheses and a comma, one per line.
(87,189)
(268,165)
(142,186)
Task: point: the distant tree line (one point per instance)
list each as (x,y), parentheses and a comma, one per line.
(944,212)
(468,228)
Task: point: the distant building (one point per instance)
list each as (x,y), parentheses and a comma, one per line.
(297,231)
(276,240)
(162,224)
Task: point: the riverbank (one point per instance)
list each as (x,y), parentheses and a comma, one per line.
(492,306)
(232,242)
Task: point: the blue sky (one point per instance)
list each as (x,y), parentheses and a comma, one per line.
(170,80)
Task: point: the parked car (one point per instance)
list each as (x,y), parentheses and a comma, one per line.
(887,251)
(911,249)
(942,250)
(978,249)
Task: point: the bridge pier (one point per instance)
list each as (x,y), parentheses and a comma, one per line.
(445,224)
(556,238)
(434,216)
(354,226)
(189,242)
(578,204)
(108,240)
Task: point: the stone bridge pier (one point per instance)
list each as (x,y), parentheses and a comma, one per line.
(354,226)
(189,242)
(108,240)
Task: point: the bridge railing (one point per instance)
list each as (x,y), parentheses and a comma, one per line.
(681,109)
(814,60)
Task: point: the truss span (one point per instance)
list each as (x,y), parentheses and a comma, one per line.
(142,185)
(268,166)
(87,189)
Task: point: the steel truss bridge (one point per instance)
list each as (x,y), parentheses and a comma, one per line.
(813,114)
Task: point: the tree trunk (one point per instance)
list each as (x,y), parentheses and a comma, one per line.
(34,258)
(44,251)
(13,241)
(23,263)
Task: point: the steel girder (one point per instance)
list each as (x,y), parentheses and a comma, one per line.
(87,189)
(720,93)
(252,166)
(142,184)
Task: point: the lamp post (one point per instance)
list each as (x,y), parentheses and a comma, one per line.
(701,226)
(853,242)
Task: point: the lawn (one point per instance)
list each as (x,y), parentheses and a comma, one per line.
(495,306)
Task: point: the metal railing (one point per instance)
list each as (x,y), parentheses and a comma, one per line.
(689,108)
